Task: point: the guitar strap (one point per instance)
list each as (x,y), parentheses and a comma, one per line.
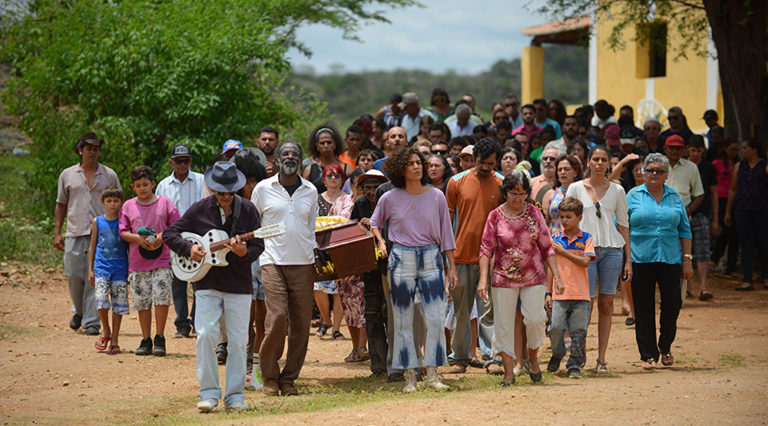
(235,215)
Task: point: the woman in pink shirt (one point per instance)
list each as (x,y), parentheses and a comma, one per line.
(517,238)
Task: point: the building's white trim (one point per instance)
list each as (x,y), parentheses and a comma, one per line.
(592,57)
(650,88)
(713,73)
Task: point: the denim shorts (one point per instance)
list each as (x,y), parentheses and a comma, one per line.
(605,270)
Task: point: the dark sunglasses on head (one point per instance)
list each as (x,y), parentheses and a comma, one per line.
(182,160)
(223,194)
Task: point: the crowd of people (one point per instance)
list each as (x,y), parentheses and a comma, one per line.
(495,235)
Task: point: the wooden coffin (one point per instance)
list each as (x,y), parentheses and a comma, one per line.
(343,250)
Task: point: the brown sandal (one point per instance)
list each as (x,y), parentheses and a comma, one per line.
(667,359)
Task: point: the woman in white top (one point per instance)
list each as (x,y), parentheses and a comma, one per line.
(603,202)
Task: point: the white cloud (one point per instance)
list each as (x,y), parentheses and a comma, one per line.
(447,34)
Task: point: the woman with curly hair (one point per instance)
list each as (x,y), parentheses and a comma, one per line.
(416,262)
(325,145)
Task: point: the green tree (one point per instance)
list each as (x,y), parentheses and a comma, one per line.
(738,30)
(146,74)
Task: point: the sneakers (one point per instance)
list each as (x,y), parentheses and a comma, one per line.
(206,405)
(553,365)
(237,406)
(159,349)
(602,368)
(75,322)
(574,373)
(145,348)
(221,352)
(183,331)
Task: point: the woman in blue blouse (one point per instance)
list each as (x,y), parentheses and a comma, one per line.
(660,238)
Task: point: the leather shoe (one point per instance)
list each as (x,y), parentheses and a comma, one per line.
(288,389)
(270,388)
(75,322)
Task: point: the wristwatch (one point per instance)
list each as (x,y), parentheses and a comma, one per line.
(688,256)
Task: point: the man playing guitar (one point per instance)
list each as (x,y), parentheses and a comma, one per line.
(223,290)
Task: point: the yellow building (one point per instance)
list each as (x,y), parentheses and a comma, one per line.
(638,75)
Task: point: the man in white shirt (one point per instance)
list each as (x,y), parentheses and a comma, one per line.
(683,175)
(462,126)
(287,268)
(413,113)
(184,188)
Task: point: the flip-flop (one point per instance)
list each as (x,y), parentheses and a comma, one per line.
(113,350)
(476,363)
(101,343)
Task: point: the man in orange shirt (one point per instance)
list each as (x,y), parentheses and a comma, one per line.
(471,195)
(354,141)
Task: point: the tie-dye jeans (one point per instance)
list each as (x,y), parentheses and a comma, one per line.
(421,268)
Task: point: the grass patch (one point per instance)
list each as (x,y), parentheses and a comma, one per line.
(344,393)
(26,227)
(729,361)
(9,331)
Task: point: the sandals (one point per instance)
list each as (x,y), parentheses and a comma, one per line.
(113,350)
(101,343)
(476,363)
(353,356)
(667,359)
(705,295)
(337,335)
(322,329)
(363,354)
(649,364)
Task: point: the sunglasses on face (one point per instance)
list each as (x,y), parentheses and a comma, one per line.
(548,158)
(659,172)
(511,104)
(224,194)
(333,176)
(440,151)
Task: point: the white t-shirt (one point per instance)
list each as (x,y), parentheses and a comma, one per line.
(613,204)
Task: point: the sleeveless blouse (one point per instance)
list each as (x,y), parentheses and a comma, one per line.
(752,187)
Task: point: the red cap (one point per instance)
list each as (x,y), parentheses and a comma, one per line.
(612,135)
(675,140)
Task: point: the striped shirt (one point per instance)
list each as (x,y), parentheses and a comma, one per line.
(182,194)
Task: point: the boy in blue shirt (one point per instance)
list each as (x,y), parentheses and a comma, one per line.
(108,269)
(574,249)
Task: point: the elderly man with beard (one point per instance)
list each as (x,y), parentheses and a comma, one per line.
(544,182)
(287,268)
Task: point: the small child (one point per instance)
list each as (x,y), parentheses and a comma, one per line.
(574,250)
(142,222)
(108,269)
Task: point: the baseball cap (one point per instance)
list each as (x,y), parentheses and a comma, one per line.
(627,135)
(675,140)
(371,174)
(612,135)
(467,150)
(180,150)
(231,144)
(409,98)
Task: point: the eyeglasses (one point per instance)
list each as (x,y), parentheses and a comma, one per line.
(182,160)
(655,172)
(440,151)
(224,194)
(333,176)
(597,210)
(516,194)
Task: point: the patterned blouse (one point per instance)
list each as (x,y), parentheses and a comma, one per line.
(555,228)
(342,206)
(520,245)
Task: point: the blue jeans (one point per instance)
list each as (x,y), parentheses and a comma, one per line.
(464,296)
(236,309)
(179,292)
(571,315)
(412,268)
(604,271)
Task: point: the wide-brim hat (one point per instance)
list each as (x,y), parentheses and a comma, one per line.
(223,176)
(89,138)
(372,174)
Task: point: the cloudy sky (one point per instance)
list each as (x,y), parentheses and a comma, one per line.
(466,36)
